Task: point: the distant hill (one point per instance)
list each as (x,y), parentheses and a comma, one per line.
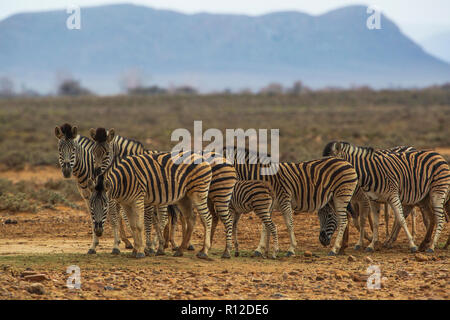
(213,51)
(438,45)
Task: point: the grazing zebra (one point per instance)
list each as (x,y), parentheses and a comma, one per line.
(305,187)
(155,179)
(109,146)
(254,196)
(75,158)
(399,179)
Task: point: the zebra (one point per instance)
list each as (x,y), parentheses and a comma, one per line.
(108,146)
(398,178)
(306,186)
(155,179)
(75,158)
(254,196)
(123,147)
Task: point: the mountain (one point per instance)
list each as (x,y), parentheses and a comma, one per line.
(438,45)
(213,51)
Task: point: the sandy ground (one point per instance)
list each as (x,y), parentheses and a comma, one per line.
(51,240)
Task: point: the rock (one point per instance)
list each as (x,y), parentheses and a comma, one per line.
(351,259)
(339,275)
(319,278)
(10,221)
(108,288)
(277,295)
(359,277)
(421,257)
(36,288)
(368,259)
(140,279)
(403,273)
(35,278)
(27,273)
(285,276)
(294,273)
(307,254)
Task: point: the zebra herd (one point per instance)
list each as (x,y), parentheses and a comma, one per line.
(127,184)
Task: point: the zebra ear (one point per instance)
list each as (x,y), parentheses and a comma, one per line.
(74,131)
(337,146)
(110,135)
(92,132)
(58,132)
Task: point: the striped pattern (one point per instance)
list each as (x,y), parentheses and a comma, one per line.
(75,158)
(254,196)
(109,146)
(158,179)
(306,187)
(405,178)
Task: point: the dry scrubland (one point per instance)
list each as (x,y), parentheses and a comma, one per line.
(44,227)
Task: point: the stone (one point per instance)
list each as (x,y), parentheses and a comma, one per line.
(307,254)
(403,273)
(351,259)
(35,278)
(10,221)
(368,259)
(421,257)
(36,288)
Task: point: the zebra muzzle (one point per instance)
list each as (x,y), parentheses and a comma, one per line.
(67,171)
(324,239)
(98,229)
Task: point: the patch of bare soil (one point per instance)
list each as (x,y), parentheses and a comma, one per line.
(41,246)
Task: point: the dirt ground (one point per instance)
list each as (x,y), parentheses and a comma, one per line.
(50,241)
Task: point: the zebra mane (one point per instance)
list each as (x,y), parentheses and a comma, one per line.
(327,151)
(99,186)
(66,129)
(328,148)
(247,154)
(100,135)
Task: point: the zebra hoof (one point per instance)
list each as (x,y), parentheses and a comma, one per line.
(133,253)
(226,255)
(140,255)
(149,251)
(202,255)
(236,254)
(91,251)
(191,247)
(175,248)
(178,253)
(257,254)
(369,249)
(413,249)
(115,251)
(332,254)
(128,245)
(357,247)
(160,252)
(429,250)
(290,254)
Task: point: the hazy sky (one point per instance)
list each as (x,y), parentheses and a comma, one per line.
(417,18)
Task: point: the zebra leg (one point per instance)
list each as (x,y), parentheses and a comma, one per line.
(398,211)
(160,224)
(363,213)
(396,228)
(413,226)
(113,217)
(200,203)
(375,212)
(139,212)
(236,218)
(149,221)
(186,219)
(286,209)
(222,210)
(122,221)
(132,221)
(386,218)
(265,216)
(340,207)
(94,236)
(437,198)
(215,219)
(262,246)
(427,214)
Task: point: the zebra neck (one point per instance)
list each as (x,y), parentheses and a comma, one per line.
(84,165)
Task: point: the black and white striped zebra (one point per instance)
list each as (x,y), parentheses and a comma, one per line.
(254,196)
(305,187)
(109,146)
(405,178)
(155,179)
(75,158)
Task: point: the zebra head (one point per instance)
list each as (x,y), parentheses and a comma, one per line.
(328,224)
(67,148)
(102,149)
(333,149)
(99,203)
